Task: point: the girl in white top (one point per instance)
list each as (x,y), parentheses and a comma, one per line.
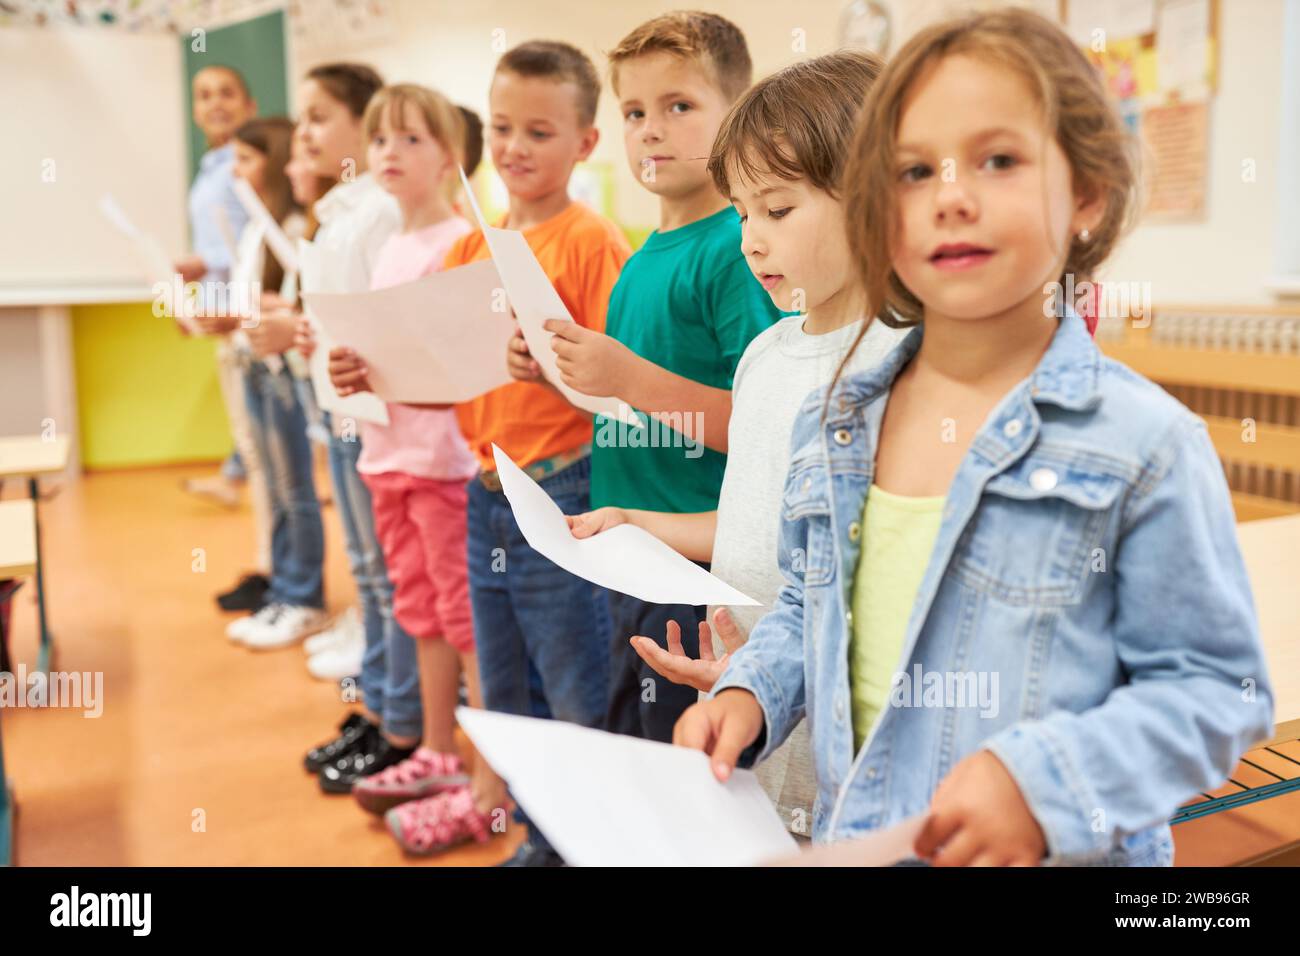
(357,217)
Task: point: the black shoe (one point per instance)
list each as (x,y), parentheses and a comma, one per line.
(531,853)
(248,595)
(374,754)
(351,732)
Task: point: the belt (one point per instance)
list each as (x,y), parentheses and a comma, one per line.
(539,469)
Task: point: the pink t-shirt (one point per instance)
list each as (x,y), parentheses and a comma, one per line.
(424,442)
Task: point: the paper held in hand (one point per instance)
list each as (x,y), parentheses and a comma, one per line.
(365,406)
(535,301)
(610,800)
(281,245)
(440,339)
(159,270)
(625,558)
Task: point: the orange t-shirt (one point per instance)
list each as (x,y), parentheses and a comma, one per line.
(582,254)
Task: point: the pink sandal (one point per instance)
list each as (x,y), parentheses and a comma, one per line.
(424,827)
(423,774)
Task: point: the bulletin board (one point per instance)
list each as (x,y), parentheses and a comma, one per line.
(1159,59)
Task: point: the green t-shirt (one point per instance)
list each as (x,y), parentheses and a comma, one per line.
(687,302)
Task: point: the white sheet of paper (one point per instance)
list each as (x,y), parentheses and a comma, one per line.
(280,245)
(610,800)
(436,339)
(1181,51)
(158,267)
(227,230)
(535,302)
(882,848)
(626,558)
(366,406)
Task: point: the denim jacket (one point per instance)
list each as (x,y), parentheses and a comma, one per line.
(1085,614)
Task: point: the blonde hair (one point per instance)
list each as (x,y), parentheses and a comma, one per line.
(1100,150)
(711,40)
(445,121)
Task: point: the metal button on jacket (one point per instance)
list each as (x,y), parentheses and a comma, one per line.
(1042,479)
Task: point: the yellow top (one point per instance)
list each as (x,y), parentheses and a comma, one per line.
(898,535)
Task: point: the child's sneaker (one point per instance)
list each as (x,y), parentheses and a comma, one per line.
(423,774)
(239,629)
(438,823)
(346,629)
(280,625)
(337,662)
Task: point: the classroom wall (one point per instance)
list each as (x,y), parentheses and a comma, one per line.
(1226,258)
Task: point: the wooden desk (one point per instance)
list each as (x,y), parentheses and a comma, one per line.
(17,559)
(30,457)
(17,538)
(1271,547)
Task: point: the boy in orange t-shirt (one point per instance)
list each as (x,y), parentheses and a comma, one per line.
(542,635)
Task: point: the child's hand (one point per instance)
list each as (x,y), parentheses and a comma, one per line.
(519,361)
(591,362)
(594,522)
(673,663)
(348,372)
(978,817)
(272,334)
(304,339)
(722,726)
(191,268)
(217,324)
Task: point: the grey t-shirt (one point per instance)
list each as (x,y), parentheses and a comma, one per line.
(779,369)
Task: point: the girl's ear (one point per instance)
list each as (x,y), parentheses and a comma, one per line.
(1089,209)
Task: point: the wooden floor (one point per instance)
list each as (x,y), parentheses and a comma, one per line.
(197,729)
(194,730)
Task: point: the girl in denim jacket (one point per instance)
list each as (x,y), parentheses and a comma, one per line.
(1015,608)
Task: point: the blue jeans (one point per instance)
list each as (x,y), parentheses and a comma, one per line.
(530,612)
(641,703)
(541,634)
(278,427)
(390,676)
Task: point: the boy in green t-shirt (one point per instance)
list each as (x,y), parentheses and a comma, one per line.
(684,309)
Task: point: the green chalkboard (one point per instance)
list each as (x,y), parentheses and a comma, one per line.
(253,47)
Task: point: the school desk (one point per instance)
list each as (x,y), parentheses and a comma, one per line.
(31,457)
(17,559)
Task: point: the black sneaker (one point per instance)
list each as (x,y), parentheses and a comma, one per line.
(351,734)
(248,595)
(373,755)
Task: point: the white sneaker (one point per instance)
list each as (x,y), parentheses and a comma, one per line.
(336,663)
(346,627)
(239,629)
(285,624)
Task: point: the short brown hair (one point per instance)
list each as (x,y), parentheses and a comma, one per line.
(1077,112)
(714,41)
(352,84)
(796,123)
(558,61)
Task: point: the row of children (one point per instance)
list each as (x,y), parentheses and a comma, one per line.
(925,470)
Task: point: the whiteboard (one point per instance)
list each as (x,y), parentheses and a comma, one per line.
(99,110)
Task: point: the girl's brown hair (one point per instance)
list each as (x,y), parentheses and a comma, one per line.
(446,123)
(352,84)
(272,136)
(1077,113)
(796,123)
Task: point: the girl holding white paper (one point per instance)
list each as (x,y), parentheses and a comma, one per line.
(277,423)
(357,217)
(416,468)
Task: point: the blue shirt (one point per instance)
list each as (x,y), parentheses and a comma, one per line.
(214,186)
(1085,614)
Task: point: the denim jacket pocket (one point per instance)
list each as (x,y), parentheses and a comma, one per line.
(806,504)
(1038,531)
